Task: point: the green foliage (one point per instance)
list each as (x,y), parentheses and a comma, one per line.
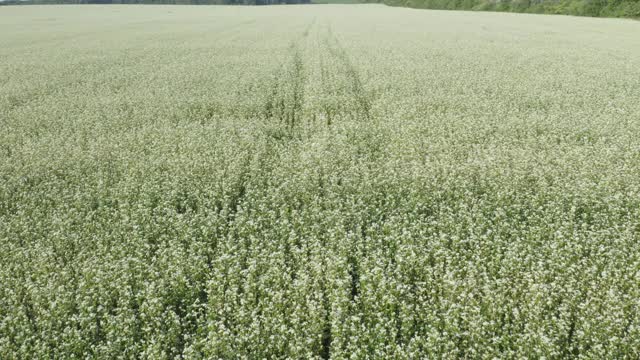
(336,1)
(348,182)
(608,8)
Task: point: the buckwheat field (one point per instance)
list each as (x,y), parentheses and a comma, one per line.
(317,181)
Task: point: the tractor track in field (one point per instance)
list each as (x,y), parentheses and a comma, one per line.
(286,94)
(340,80)
(282,113)
(354,87)
(289,113)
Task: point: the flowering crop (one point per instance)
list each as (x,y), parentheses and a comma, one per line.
(317,182)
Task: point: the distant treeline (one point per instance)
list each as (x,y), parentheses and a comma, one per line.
(605,8)
(601,8)
(160,2)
